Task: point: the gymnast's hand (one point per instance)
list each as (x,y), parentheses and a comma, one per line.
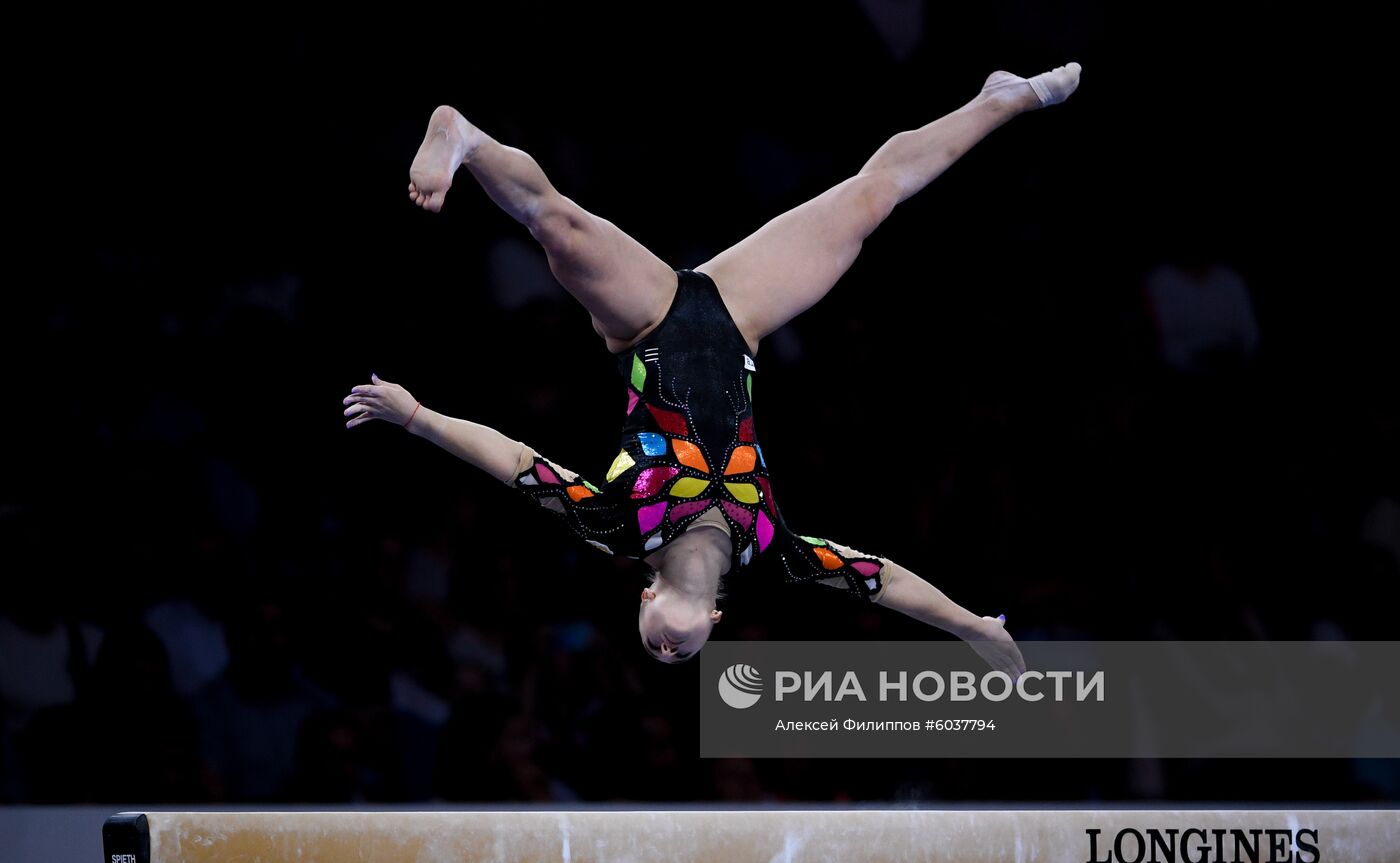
(994,644)
(379,400)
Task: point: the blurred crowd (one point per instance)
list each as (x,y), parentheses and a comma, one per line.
(216,593)
(216,628)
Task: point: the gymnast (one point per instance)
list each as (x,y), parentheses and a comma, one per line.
(685,342)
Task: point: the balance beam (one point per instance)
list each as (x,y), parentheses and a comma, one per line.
(966,836)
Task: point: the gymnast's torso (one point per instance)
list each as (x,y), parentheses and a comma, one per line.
(688,446)
(689,454)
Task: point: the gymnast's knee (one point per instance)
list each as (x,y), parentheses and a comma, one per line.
(876,193)
(557,224)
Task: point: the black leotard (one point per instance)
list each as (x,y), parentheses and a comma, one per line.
(688,445)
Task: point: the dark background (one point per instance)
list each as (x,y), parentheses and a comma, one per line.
(1121,373)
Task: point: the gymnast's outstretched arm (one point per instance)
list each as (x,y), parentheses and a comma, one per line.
(479,445)
(909,594)
(884,582)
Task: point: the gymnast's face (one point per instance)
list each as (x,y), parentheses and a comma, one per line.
(674,625)
(678,610)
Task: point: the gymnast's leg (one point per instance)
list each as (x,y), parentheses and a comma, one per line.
(624,287)
(791,262)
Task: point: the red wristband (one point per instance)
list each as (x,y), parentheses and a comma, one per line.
(412,415)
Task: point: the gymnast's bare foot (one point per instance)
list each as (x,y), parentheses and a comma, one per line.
(1017,94)
(449,140)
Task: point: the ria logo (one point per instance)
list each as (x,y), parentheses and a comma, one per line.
(740,686)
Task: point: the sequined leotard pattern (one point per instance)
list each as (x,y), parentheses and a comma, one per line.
(689,451)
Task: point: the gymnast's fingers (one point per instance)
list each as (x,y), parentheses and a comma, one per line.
(363,418)
(1018,664)
(358,408)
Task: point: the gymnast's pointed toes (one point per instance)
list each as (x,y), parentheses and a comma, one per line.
(1055,86)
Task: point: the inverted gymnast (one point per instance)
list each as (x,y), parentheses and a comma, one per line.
(685,342)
